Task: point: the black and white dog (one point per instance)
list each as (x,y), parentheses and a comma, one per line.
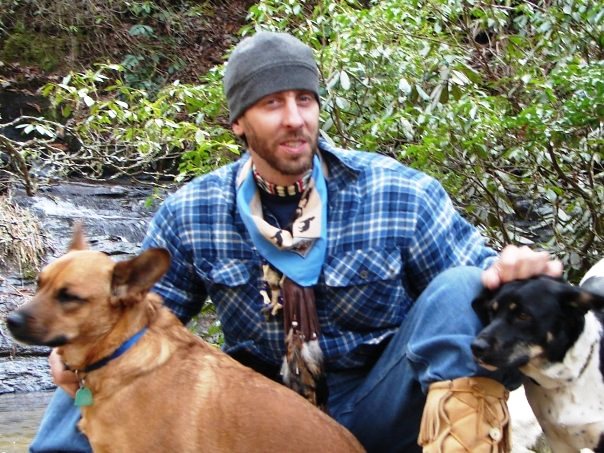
(552,332)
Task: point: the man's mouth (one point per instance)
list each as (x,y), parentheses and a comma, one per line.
(294,144)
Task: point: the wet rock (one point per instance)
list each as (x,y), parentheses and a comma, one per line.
(11,349)
(115,216)
(24,374)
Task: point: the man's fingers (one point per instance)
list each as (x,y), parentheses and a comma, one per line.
(520,262)
(516,263)
(62,377)
(490,278)
(554,268)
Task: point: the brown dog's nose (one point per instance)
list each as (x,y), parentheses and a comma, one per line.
(16,322)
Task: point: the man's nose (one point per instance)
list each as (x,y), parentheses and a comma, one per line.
(292,116)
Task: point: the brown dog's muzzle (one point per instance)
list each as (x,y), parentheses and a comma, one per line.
(20,323)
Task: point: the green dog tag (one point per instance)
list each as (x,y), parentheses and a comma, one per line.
(83,397)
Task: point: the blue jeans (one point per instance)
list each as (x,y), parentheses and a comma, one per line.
(58,431)
(382,406)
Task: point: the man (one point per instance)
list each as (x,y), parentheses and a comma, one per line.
(378,254)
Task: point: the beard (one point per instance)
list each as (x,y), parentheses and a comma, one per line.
(292,166)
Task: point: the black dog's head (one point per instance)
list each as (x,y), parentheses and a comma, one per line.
(529,320)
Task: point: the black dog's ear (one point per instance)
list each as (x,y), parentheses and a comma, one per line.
(583,297)
(594,285)
(481,303)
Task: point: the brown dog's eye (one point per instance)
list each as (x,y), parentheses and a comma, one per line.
(65,296)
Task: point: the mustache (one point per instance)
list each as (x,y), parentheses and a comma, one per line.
(299,135)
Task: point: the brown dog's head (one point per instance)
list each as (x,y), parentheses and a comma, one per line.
(525,320)
(81,295)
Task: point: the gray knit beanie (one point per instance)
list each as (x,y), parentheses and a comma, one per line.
(266,63)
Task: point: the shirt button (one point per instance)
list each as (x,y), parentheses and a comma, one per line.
(363,274)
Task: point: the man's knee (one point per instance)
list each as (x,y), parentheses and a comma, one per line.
(453,290)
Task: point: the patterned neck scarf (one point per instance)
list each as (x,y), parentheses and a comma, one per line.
(299,254)
(282,191)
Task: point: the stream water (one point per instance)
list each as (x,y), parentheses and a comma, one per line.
(20,415)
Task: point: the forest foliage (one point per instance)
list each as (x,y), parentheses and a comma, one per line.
(503,101)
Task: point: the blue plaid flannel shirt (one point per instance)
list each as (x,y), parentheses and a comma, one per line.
(391,230)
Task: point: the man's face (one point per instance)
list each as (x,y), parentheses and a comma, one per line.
(281,132)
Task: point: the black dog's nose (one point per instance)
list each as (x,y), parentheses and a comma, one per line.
(479,346)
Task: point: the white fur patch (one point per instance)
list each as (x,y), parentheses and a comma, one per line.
(524,425)
(568,398)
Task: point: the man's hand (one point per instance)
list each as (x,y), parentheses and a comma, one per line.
(62,377)
(516,263)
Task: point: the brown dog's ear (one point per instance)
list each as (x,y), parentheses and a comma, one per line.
(139,274)
(78,241)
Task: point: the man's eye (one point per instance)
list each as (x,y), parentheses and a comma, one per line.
(271,102)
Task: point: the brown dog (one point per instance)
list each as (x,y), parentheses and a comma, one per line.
(165,390)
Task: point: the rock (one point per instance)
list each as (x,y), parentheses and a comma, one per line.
(24,374)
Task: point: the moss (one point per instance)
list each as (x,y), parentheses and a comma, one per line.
(31,48)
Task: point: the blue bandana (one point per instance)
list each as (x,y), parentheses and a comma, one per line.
(298,254)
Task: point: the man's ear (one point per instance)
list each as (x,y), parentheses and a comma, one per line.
(237,127)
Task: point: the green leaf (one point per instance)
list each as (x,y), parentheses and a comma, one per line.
(88,100)
(344,80)
(404,86)
(425,96)
(141,30)
(200,136)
